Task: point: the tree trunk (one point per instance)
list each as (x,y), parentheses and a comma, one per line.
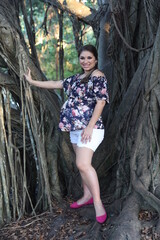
(130,162)
(37,120)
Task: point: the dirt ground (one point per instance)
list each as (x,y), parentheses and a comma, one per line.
(70,224)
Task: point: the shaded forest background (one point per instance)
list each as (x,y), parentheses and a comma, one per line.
(36,160)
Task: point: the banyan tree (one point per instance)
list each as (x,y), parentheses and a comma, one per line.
(37,160)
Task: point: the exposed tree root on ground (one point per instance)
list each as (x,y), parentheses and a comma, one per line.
(65,223)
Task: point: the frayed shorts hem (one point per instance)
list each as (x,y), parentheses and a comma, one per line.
(97,138)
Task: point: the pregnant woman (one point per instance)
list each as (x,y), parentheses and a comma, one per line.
(81,116)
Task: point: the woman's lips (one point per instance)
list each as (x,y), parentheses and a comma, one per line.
(86,66)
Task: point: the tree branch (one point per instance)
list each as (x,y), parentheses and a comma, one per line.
(122,37)
(84,13)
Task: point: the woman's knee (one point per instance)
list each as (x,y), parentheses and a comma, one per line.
(83,167)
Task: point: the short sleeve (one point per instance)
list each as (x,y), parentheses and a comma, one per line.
(67,84)
(100,88)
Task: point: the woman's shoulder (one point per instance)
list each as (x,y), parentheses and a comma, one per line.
(97,73)
(70,78)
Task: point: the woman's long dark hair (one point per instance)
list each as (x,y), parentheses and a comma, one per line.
(93,50)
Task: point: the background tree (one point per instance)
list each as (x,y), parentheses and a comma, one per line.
(34,151)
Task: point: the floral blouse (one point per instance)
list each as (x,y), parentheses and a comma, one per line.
(77,111)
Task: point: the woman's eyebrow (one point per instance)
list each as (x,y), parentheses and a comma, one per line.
(86,57)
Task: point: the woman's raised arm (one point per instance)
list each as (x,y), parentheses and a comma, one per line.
(43,84)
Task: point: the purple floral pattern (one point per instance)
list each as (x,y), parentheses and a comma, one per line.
(77,110)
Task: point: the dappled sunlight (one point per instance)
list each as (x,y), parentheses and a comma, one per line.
(39,39)
(107,27)
(69,65)
(77,8)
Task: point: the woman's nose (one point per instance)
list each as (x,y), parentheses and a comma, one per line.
(85,60)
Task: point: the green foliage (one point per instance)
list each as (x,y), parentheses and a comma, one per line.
(47,45)
(90,3)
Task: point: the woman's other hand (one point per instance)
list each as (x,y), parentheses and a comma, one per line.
(86,134)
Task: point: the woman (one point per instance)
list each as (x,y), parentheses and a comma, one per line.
(81,116)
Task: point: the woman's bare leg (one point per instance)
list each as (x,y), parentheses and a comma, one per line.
(89,176)
(86,193)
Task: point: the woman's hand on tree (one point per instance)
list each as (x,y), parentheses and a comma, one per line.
(28,76)
(86,134)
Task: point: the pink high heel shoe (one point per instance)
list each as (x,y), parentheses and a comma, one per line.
(76,205)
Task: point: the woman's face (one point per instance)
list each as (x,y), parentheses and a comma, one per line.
(87,61)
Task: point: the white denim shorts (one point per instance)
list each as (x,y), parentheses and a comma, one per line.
(97,138)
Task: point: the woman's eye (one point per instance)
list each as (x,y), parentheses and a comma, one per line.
(83,58)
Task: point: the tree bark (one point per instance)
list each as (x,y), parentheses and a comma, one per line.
(41,109)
